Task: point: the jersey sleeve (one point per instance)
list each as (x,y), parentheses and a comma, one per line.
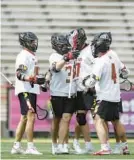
(54,58)
(21,61)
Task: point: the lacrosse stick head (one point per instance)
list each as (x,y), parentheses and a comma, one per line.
(126,85)
(77,38)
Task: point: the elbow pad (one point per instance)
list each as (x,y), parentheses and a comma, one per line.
(54,68)
(20,72)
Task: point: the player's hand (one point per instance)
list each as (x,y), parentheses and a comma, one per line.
(38,79)
(32,79)
(30,108)
(44,87)
(90,81)
(75,53)
(71,55)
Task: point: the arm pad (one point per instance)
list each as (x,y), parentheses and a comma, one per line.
(20,72)
(54,67)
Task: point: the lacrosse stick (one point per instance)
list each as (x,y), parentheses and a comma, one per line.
(7,79)
(71,79)
(42,113)
(73,42)
(126,85)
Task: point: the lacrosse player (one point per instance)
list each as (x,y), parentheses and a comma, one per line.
(105,75)
(62,93)
(26,88)
(84,102)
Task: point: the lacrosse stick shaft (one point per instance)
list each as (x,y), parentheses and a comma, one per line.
(71,80)
(7,79)
(36,70)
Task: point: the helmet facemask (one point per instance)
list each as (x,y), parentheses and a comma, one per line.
(60,44)
(101,43)
(77,39)
(29,40)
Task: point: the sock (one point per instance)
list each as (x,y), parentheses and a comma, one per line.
(104,146)
(117,144)
(30,144)
(17,144)
(124,144)
(60,145)
(75,141)
(66,145)
(54,144)
(88,145)
(108,145)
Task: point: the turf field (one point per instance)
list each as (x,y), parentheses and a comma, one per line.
(44,145)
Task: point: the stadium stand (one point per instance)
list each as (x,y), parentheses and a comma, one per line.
(45,17)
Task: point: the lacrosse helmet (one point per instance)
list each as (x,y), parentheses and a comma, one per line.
(77,38)
(101,43)
(60,43)
(28,40)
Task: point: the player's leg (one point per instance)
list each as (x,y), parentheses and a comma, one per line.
(63,130)
(54,133)
(107,129)
(19,133)
(101,113)
(77,131)
(31,149)
(66,143)
(68,110)
(117,147)
(81,120)
(120,130)
(76,144)
(20,127)
(57,114)
(102,133)
(55,129)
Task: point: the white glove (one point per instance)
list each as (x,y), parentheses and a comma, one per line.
(81,86)
(90,82)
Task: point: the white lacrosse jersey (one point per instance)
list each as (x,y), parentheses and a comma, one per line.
(29,60)
(107,68)
(61,81)
(85,63)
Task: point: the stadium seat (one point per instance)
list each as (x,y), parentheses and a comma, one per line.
(45,17)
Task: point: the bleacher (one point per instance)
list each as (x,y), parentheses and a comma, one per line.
(45,17)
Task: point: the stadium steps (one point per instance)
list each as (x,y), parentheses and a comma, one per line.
(48,17)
